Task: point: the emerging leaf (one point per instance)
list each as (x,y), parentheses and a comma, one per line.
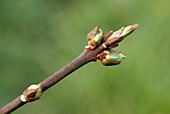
(113,38)
(95,37)
(111,57)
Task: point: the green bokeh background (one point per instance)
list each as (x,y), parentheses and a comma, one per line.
(38,37)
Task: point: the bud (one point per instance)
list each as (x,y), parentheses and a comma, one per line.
(111,57)
(95,37)
(128,30)
(116,34)
(114,38)
(32,93)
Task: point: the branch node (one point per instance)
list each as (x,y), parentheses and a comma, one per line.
(104,45)
(87,47)
(22,98)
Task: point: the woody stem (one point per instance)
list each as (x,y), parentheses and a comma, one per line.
(86,56)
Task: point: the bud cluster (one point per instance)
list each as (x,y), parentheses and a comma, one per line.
(111,40)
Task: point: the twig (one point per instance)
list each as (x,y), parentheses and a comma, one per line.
(99,47)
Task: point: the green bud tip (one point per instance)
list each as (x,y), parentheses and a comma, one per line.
(95,37)
(113,55)
(128,30)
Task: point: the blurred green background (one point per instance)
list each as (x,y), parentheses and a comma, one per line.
(38,37)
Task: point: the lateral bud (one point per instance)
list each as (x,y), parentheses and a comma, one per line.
(111,57)
(32,93)
(95,37)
